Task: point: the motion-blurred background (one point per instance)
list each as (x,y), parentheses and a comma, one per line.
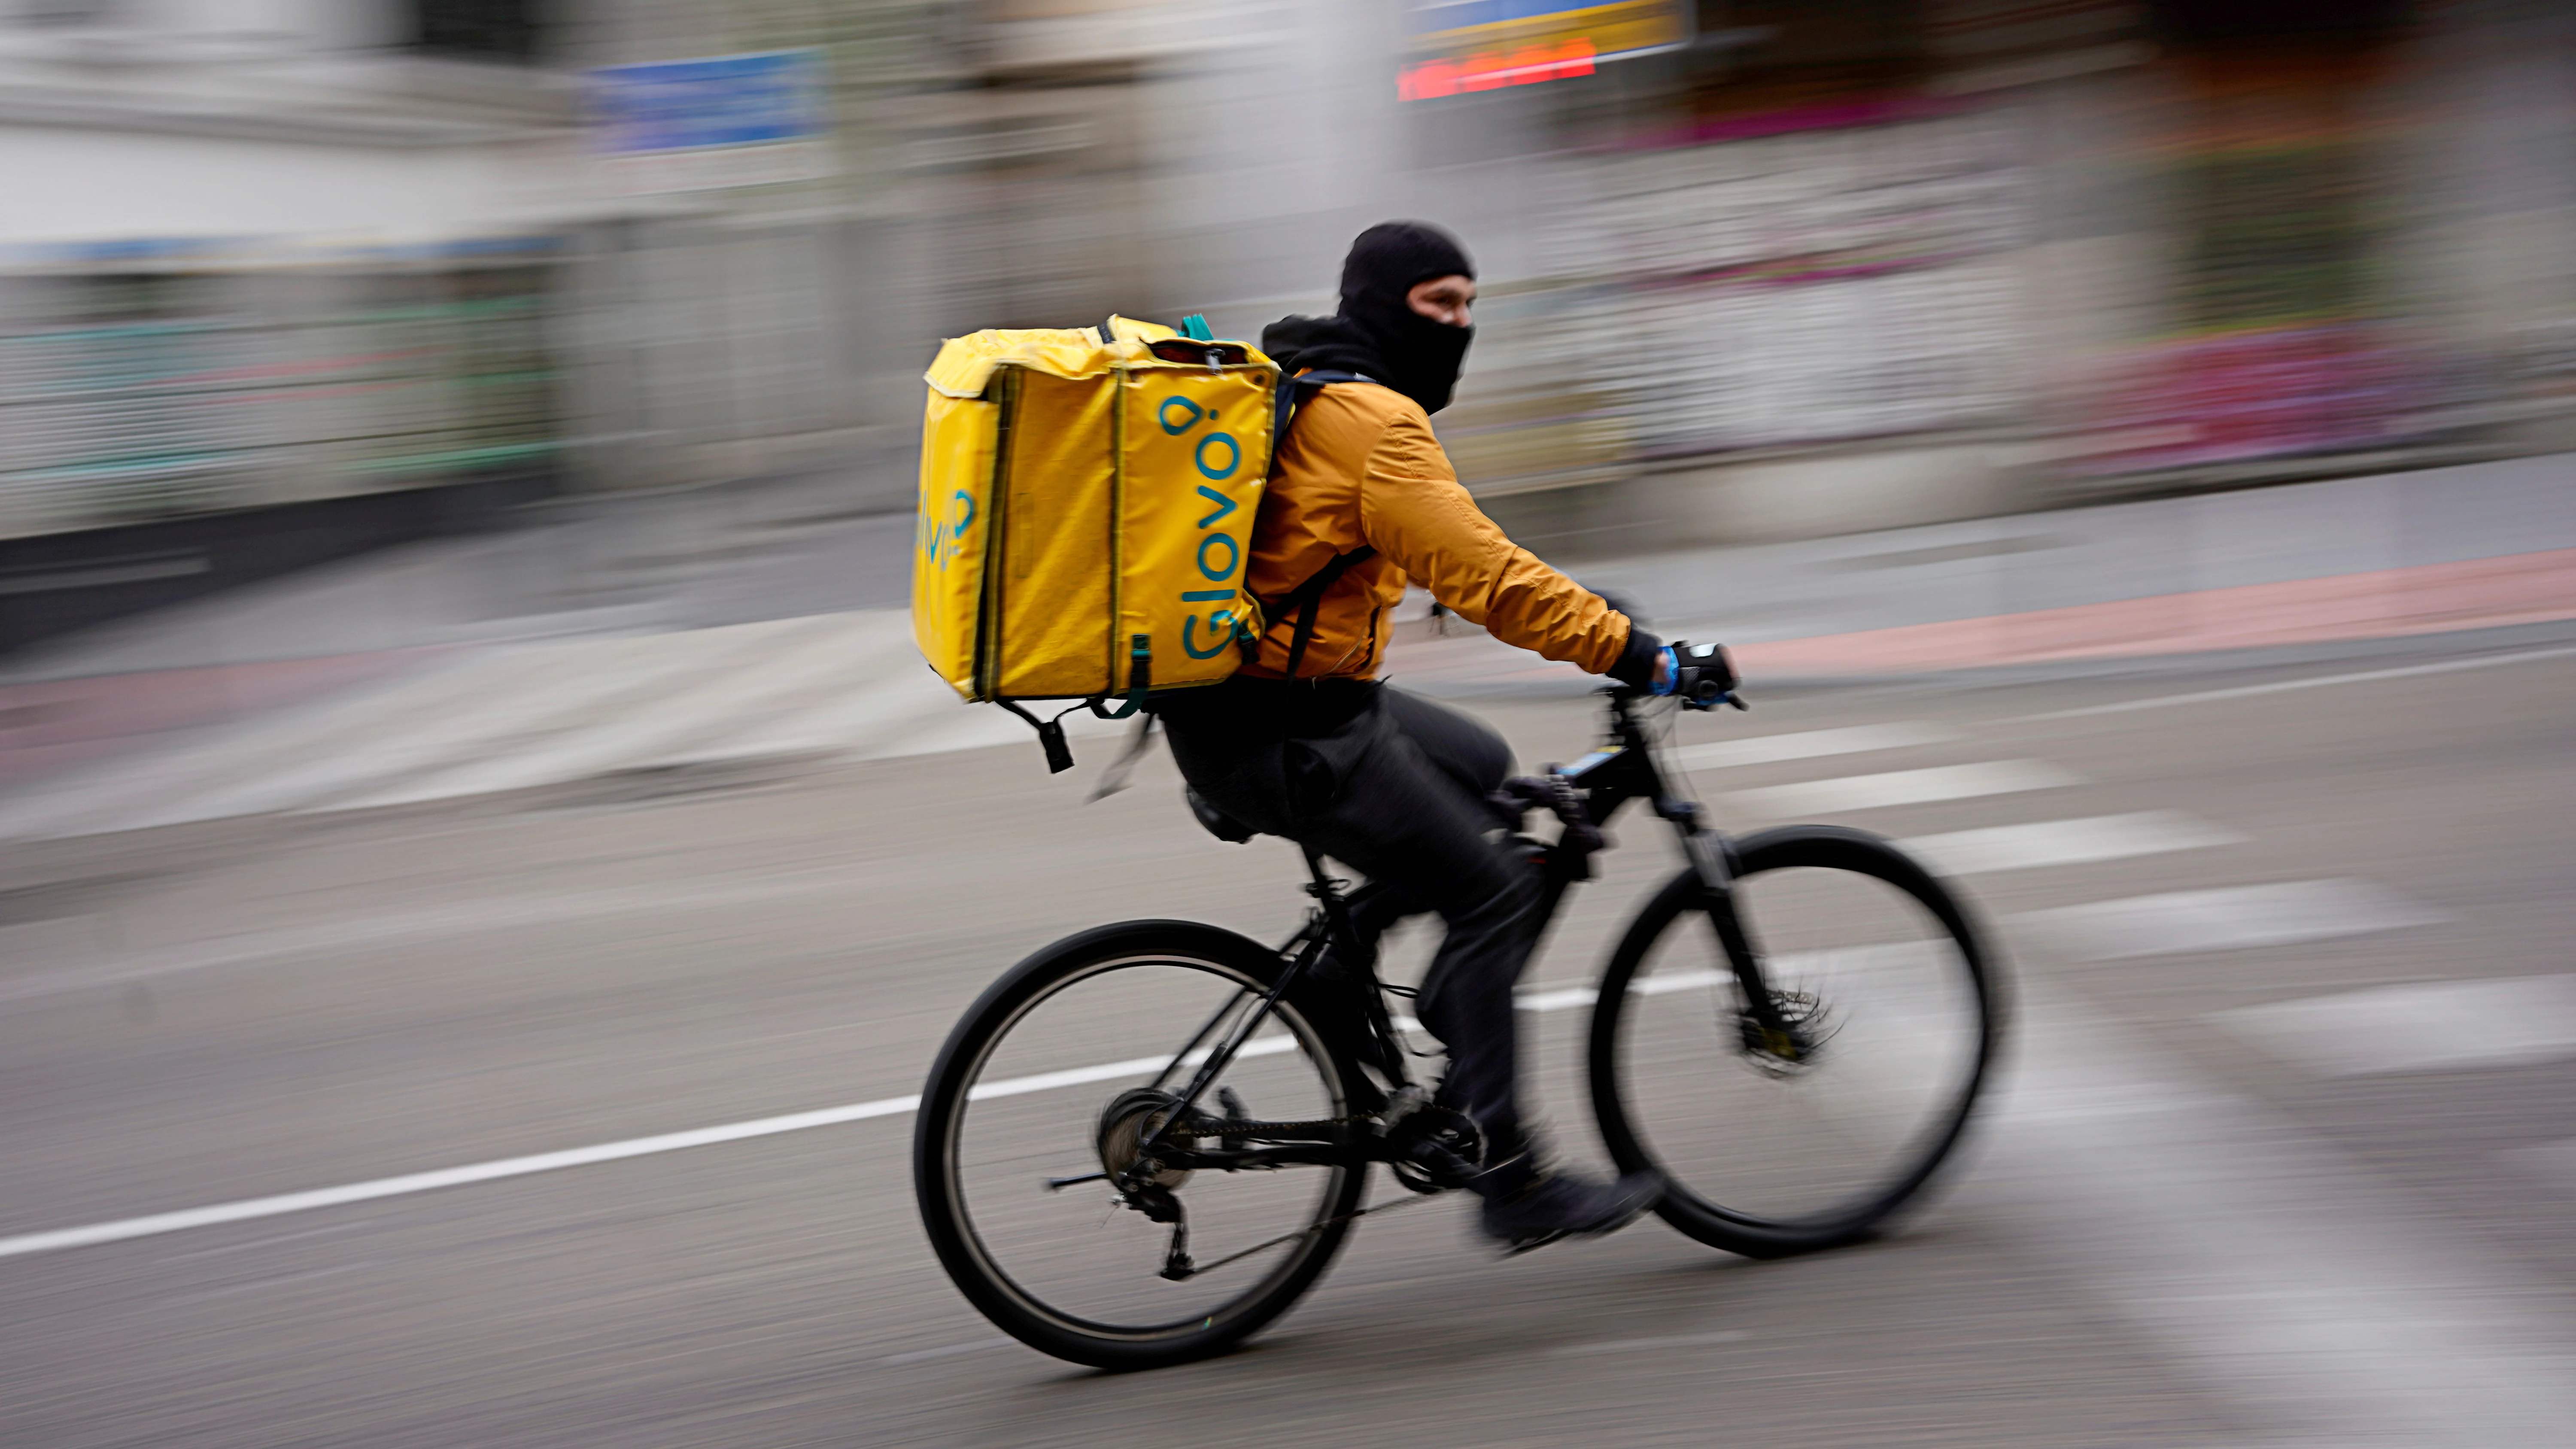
(317,275)
(483,868)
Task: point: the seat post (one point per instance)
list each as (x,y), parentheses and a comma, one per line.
(1326,888)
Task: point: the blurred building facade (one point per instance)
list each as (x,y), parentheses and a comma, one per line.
(1797,266)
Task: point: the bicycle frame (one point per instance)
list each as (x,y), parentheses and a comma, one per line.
(1621,770)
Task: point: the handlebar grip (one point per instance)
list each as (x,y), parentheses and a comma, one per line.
(1708,677)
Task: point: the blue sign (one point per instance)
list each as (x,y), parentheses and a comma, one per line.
(1437,15)
(687,105)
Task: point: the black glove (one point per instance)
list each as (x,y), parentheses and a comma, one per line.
(1636,666)
(1706,678)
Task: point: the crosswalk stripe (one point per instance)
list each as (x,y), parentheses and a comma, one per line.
(2551,1162)
(890,686)
(845,723)
(2260,1256)
(2067,842)
(2226,919)
(252,750)
(592,677)
(811,662)
(1811,744)
(2417,1026)
(1901,787)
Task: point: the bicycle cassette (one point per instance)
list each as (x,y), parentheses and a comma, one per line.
(1129,1119)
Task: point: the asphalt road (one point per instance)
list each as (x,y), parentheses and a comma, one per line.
(2286,1154)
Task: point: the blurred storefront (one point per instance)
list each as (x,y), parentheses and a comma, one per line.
(1751,267)
(362,272)
(1865,263)
(276,286)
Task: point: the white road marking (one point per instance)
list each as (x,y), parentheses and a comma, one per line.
(103,797)
(446,922)
(2204,696)
(1637,1345)
(1566,999)
(2226,919)
(607,675)
(296,1202)
(2551,1162)
(384,1187)
(752,687)
(1811,744)
(2067,842)
(2281,1274)
(1901,787)
(2419,1026)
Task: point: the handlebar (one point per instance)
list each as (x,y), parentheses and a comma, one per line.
(1705,678)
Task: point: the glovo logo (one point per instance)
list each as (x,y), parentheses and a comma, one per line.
(939,538)
(1220,557)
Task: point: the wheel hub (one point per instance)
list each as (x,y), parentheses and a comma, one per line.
(1130,1118)
(1792,1048)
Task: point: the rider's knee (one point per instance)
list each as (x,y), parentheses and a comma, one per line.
(1503,898)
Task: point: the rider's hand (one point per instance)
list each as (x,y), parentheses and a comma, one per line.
(1700,673)
(1665,667)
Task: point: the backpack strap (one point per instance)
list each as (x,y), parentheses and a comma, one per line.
(1292,394)
(1308,600)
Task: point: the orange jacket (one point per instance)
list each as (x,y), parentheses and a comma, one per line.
(1360,466)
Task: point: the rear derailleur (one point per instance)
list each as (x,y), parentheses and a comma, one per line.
(1144,1182)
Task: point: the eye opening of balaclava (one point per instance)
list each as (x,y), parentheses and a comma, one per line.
(1421,356)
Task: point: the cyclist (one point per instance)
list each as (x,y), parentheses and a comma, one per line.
(1361,499)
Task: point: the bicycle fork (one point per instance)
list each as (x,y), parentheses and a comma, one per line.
(1713,863)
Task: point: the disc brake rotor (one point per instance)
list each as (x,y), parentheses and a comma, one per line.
(1806,1027)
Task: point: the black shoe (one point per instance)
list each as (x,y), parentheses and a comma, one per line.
(1559,1205)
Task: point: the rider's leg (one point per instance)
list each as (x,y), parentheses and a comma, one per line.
(1459,746)
(1412,815)
(1397,792)
(1409,812)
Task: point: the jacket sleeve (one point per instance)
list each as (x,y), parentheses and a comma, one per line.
(1413,511)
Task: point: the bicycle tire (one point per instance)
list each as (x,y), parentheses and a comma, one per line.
(1815,847)
(943,1199)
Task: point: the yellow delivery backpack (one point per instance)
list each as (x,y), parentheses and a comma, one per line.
(1086,515)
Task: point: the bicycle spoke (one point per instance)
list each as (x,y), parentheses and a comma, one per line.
(1180,1239)
(1801,1129)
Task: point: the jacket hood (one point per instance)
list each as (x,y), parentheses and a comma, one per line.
(1322,344)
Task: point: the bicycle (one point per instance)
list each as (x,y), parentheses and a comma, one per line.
(1711,1058)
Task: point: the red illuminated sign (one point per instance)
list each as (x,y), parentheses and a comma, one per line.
(1492,70)
(1454,47)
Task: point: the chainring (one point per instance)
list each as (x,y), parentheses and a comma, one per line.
(1434,1148)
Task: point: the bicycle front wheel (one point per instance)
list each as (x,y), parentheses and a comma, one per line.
(1064,1069)
(1780,1144)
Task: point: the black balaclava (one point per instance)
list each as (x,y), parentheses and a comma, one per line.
(1376,333)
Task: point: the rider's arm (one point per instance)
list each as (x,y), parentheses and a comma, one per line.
(1413,511)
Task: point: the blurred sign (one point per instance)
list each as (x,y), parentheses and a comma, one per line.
(694,125)
(1481,45)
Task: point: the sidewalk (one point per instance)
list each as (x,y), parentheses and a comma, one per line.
(698,643)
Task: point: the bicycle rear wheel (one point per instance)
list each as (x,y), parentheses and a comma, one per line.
(1041,1080)
(1773,1150)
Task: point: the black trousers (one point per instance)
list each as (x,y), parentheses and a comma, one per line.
(1393,786)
